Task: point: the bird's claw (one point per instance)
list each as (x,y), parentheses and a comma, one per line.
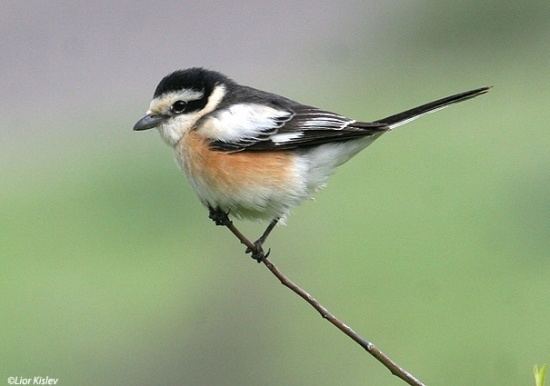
(219,216)
(257,253)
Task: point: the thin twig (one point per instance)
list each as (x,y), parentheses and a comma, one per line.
(393,367)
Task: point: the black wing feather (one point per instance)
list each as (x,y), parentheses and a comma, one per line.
(306,126)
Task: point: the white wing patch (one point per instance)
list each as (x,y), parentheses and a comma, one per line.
(248,121)
(260,127)
(286,137)
(318,119)
(326,123)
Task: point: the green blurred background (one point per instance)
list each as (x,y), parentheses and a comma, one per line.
(434,243)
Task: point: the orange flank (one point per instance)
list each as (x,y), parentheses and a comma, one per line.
(231,172)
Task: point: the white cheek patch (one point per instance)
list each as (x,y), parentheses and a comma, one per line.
(174,128)
(240,121)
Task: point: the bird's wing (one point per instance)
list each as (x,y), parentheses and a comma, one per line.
(257,127)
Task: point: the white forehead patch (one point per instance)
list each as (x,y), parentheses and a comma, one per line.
(162,103)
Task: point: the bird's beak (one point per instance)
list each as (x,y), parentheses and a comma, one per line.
(149,121)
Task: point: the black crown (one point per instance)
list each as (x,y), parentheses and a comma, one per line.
(195,78)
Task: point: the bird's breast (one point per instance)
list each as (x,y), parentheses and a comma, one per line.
(232,172)
(258,180)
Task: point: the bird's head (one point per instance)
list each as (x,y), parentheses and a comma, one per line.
(181,99)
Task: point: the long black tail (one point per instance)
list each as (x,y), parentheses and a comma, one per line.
(406,116)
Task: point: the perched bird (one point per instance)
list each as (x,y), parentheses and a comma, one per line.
(254,154)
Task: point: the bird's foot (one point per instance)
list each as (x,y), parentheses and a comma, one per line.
(257,253)
(219,216)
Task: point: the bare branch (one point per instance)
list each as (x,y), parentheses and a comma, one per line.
(393,367)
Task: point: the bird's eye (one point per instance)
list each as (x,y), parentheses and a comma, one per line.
(178,107)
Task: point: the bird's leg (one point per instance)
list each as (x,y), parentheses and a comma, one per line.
(219,216)
(267,232)
(222,218)
(258,253)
